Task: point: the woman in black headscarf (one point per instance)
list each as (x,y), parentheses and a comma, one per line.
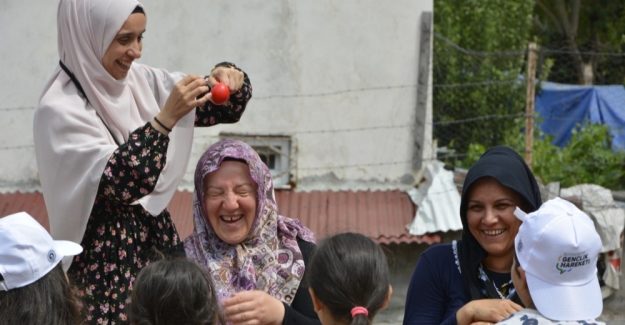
(469,281)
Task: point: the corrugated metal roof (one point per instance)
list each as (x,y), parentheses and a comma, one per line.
(380,215)
(438,201)
(32,203)
(459,175)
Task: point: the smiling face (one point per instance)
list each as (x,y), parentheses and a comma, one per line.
(230,201)
(125,47)
(491,220)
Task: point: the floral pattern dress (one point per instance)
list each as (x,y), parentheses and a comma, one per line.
(121,236)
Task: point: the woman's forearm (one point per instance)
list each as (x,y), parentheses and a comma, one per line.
(134,168)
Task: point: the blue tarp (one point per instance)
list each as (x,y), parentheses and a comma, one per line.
(562,107)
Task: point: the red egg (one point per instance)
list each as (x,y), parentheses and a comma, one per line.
(221,93)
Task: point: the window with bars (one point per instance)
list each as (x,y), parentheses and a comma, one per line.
(274,151)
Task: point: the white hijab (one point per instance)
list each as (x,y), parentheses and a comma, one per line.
(72,143)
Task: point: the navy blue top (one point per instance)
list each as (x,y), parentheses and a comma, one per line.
(435,292)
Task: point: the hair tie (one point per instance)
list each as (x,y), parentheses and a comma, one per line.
(359,310)
(162,125)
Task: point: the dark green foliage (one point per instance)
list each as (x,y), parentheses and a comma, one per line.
(485,26)
(479,99)
(599,28)
(588,158)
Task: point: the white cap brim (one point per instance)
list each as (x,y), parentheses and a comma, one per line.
(566,303)
(66,248)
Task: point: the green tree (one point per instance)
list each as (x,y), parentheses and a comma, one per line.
(588,158)
(470,85)
(581,30)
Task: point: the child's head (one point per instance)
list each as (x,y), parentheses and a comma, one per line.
(173,291)
(33,287)
(555,263)
(349,279)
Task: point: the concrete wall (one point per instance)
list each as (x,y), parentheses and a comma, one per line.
(339,76)
(402,260)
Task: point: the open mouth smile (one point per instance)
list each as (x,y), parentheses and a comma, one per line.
(493,232)
(231,219)
(125,65)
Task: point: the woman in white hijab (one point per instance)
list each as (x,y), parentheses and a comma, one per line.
(112,142)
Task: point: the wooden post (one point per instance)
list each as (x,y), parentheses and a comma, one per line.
(422,90)
(529,103)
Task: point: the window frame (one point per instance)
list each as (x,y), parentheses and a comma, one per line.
(282,174)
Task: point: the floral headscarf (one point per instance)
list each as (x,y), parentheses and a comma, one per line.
(269,259)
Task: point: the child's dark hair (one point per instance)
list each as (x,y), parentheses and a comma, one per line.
(349,270)
(49,300)
(515,263)
(173,291)
(138,10)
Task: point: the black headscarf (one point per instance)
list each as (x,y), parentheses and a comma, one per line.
(509,169)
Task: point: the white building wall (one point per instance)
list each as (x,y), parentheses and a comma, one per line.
(338,76)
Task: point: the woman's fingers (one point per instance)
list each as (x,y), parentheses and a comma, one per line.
(511,306)
(506,307)
(194,93)
(190,78)
(197,86)
(240,313)
(190,83)
(232,77)
(242,318)
(183,98)
(237,80)
(240,302)
(253,307)
(240,80)
(202,100)
(194,86)
(486,310)
(236,304)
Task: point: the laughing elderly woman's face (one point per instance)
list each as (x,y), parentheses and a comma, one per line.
(230,201)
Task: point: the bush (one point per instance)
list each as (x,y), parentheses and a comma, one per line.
(588,158)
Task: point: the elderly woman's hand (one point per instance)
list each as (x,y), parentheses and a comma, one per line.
(253,308)
(486,311)
(230,76)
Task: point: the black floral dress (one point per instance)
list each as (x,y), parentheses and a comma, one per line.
(120,236)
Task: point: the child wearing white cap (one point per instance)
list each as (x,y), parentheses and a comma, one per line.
(554,268)
(33,286)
